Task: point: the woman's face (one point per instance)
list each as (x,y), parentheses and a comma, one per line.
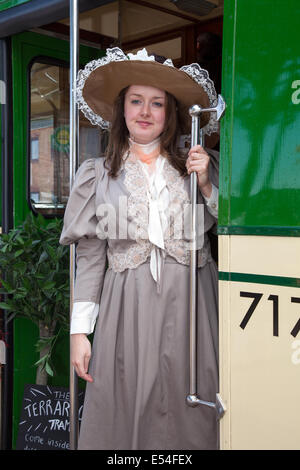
(144,112)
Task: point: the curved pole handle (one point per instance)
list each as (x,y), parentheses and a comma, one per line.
(197,138)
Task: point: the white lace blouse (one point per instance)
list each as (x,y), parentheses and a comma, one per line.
(85,313)
(158,198)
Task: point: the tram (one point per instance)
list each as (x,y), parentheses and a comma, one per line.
(255,63)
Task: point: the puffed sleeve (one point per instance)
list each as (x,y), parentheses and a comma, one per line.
(80,227)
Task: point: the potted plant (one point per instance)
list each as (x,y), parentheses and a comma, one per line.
(34,275)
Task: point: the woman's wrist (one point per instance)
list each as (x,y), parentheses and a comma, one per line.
(206,189)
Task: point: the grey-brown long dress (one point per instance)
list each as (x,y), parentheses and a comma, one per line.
(140,355)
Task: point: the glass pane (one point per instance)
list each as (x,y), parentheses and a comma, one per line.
(49,138)
(172,48)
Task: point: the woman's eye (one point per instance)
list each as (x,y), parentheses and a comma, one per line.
(157,104)
(135,101)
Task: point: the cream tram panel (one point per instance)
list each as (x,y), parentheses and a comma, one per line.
(274,256)
(259,348)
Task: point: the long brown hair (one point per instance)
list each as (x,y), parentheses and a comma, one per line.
(118,137)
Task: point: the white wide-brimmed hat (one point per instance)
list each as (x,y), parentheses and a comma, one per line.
(101,81)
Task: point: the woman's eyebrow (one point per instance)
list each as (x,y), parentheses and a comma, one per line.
(153,97)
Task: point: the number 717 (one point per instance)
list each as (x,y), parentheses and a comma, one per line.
(274,298)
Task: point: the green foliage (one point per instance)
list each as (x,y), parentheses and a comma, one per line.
(35,275)
(45,346)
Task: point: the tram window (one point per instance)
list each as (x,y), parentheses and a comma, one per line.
(35,148)
(49,137)
(35,196)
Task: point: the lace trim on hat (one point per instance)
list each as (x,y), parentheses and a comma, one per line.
(112,55)
(115,54)
(202,78)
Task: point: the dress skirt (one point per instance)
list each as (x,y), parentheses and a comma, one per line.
(140,363)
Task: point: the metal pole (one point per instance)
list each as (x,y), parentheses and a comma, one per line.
(2,362)
(74,136)
(197,138)
(193,263)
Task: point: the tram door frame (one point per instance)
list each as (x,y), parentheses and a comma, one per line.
(25,47)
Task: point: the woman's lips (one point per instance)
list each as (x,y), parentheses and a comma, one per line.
(144,123)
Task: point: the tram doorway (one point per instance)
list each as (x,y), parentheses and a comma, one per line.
(40,114)
(258,226)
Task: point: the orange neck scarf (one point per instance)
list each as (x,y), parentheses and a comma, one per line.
(147,153)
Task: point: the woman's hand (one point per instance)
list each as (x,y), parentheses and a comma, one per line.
(80,355)
(198,160)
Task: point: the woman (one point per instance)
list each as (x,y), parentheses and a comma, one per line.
(128,209)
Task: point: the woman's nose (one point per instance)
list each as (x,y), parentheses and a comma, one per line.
(145,111)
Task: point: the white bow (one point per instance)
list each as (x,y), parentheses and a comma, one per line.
(158,197)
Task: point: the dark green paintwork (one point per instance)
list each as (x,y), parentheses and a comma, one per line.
(267,231)
(260,140)
(260,279)
(6,4)
(1,195)
(25,47)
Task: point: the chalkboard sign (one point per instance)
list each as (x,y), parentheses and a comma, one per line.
(45,418)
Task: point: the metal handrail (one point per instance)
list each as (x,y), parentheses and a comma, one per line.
(74,136)
(197,138)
